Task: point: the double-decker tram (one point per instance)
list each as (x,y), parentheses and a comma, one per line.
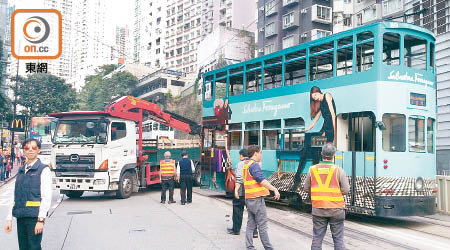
(382,78)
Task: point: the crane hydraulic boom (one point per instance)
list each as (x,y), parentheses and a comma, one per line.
(132,108)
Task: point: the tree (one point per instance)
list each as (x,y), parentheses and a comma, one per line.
(99,90)
(42,94)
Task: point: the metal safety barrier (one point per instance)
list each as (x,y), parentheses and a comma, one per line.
(443,197)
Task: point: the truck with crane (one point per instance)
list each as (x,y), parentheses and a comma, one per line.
(105,151)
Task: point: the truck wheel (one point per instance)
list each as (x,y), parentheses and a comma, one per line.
(125,186)
(74,194)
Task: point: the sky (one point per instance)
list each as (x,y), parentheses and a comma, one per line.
(120,12)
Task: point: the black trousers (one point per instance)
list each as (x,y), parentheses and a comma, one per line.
(186,185)
(238,213)
(167,184)
(25,232)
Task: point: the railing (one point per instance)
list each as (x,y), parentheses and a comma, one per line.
(443,195)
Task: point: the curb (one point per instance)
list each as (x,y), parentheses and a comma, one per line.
(7,181)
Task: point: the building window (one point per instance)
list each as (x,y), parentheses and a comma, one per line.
(270,29)
(288,41)
(158,50)
(347,21)
(288,20)
(392,6)
(271,7)
(324,13)
(269,49)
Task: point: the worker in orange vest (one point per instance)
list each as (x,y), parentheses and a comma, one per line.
(256,188)
(167,177)
(327,183)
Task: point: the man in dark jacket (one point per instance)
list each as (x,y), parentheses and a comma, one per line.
(185,170)
(32,198)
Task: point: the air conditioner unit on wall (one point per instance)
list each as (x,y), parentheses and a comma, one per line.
(304,11)
(304,35)
(261,29)
(261,50)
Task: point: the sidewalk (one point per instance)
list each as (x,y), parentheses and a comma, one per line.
(12,175)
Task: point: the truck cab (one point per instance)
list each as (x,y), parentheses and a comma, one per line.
(93,151)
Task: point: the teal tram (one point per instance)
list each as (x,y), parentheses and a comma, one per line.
(382,77)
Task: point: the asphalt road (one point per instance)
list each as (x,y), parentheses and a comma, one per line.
(97,221)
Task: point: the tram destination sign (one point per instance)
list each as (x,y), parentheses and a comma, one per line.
(418,99)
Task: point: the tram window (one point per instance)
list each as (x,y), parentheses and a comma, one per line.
(296,54)
(344,61)
(155,126)
(430,135)
(431,56)
(294,135)
(271,134)
(416,134)
(220,89)
(236,85)
(208,91)
(235,136)
(251,133)
(415,52)
(295,72)
(321,65)
(272,77)
(394,137)
(391,49)
(253,81)
(364,36)
(364,56)
(345,41)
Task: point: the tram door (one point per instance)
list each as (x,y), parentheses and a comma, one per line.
(356,145)
(207,159)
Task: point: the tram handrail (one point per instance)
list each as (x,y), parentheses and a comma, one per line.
(443,195)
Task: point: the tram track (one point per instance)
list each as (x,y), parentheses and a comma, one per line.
(355,234)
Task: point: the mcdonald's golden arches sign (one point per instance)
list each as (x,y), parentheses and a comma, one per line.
(18,124)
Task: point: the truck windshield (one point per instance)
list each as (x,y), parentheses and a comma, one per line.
(79,131)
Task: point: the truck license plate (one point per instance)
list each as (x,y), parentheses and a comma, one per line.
(73,186)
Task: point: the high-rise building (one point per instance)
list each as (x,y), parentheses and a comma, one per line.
(90,50)
(120,52)
(4,43)
(167,33)
(149,32)
(235,14)
(285,23)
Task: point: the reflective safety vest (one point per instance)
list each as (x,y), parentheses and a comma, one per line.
(252,188)
(325,188)
(167,168)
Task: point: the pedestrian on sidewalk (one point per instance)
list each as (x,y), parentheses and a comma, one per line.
(31,198)
(3,163)
(327,183)
(256,188)
(185,170)
(167,177)
(8,169)
(239,196)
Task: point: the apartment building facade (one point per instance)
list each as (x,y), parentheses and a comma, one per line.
(285,23)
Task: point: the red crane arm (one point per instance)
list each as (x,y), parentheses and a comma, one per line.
(123,107)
